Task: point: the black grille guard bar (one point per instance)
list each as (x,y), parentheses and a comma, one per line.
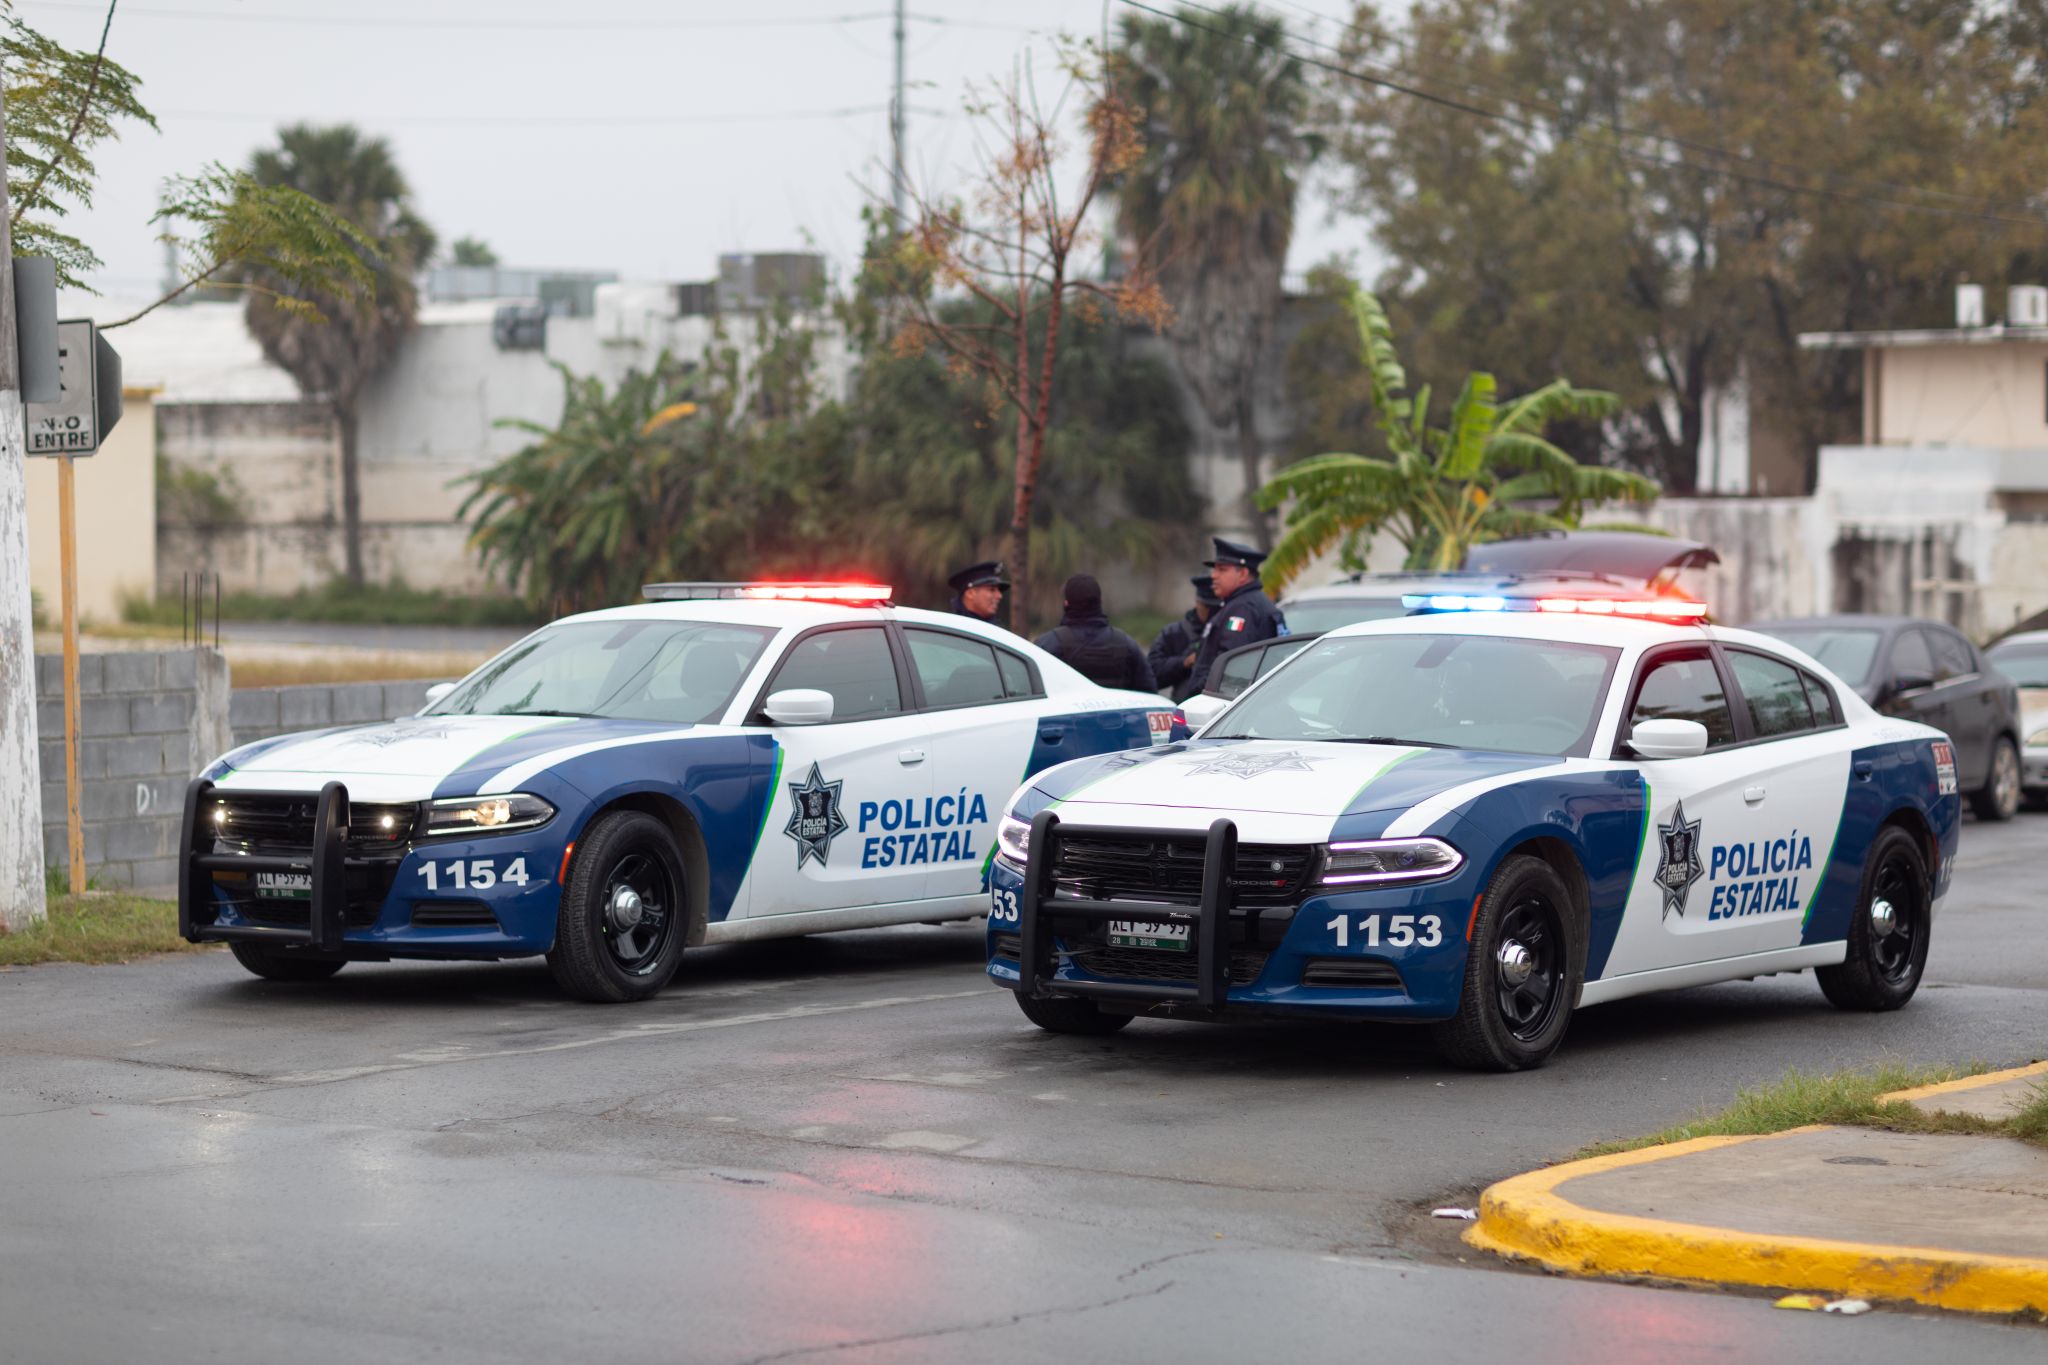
(197,862)
(1039,910)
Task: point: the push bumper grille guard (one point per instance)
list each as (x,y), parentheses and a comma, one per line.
(1041,911)
(326,867)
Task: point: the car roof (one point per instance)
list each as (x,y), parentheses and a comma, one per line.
(1625,554)
(1533,625)
(1380,587)
(799,615)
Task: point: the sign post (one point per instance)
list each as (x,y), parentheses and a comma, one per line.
(87,406)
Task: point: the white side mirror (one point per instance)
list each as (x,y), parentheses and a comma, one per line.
(1668,739)
(799,706)
(438,691)
(1201,708)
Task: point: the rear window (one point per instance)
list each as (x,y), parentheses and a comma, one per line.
(1328,613)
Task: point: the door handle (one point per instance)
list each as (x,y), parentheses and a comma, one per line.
(1052,734)
(1863,771)
(910,757)
(1752,794)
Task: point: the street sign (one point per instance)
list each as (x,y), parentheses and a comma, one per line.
(89,398)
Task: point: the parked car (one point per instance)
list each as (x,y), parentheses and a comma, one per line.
(1928,672)
(2024,659)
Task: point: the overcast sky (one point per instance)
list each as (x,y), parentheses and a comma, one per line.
(644,136)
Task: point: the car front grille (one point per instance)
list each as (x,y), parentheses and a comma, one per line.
(1169,868)
(1145,964)
(282,827)
(1352,973)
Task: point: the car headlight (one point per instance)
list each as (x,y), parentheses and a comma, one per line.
(1388,860)
(1013,838)
(2039,739)
(487,814)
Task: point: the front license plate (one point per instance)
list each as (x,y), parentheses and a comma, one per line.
(1124,933)
(285,886)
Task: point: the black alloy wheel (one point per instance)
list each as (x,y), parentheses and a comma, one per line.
(1888,936)
(1529,966)
(639,901)
(1521,972)
(624,917)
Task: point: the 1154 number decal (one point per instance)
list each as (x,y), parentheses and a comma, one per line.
(475,874)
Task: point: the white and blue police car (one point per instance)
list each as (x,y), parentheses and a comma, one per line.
(725,762)
(1479,818)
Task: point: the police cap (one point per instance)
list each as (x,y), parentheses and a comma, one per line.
(1230,552)
(976,575)
(1205,590)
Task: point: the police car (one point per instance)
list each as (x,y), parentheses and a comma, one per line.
(727,762)
(1479,818)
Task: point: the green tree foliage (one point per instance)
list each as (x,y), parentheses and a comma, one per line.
(1441,489)
(1663,194)
(1226,139)
(471,251)
(334,343)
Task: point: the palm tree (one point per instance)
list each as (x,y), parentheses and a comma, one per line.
(337,345)
(1214,194)
(1441,490)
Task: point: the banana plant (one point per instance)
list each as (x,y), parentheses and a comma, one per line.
(1487,472)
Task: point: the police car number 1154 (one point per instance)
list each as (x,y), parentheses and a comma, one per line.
(474,874)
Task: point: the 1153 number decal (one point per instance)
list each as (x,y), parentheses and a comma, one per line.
(1402,931)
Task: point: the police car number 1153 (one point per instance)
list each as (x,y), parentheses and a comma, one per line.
(1403,931)
(475,874)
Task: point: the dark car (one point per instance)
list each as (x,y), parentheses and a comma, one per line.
(1929,672)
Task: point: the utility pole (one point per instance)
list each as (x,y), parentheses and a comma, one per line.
(21,769)
(897,170)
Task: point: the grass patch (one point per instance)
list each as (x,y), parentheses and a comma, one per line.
(96,927)
(373,604)
(347,668)
(1846,1098)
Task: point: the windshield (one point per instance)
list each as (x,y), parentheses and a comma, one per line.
(1848,651)
(1453,691)
(680,672)
(2026,665)
(1317,615)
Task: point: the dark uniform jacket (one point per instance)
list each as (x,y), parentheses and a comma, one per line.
(1099,652)
(1176,640)
(1246,617)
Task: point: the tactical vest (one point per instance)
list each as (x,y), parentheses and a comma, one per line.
(1107,662)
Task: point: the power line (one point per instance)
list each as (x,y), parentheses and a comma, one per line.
(543,120)
(361,21)
(1406,87)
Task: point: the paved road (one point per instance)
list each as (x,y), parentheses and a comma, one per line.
(848,1147)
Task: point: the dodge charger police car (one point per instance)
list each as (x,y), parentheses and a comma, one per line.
(730,761)
(1479,818)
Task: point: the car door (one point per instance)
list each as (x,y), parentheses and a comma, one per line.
(984,708)
(1912,692)
(1971,699)
(1731,851)
(840,787)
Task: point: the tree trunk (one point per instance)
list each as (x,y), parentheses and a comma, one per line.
(1249,456)
(1032,452)
(21,780)
(351,496)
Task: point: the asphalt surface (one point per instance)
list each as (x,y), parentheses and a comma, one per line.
(850,1147)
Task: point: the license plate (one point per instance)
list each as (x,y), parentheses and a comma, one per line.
(1124,933)
(1161,725)
(285,886)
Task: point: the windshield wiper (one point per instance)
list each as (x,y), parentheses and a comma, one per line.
(571,715)
(1389,739)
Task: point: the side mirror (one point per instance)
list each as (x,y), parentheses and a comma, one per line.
(1668,739)
(1202,708)
(438,691)
(799,706)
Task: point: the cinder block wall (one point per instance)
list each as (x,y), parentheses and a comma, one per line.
(148,721)
(261,712)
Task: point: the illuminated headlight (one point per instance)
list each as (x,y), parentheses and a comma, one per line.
(487,814)
(1388,860)
(1013,838)
(2039,739)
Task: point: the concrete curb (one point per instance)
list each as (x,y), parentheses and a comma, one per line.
(1926,1092)
(1525,1218)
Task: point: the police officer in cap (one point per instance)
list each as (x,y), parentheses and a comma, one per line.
(1173,651)
(978,590)
(1247,615)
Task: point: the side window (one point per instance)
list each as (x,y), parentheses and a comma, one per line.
(1822,699)
(1685,686)
(1773,692)
(1237,672)
(1911,658)
(954,670)
(853,665)
(1277,655)
(1017,678)
(1952,656)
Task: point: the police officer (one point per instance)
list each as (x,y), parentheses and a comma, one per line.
(1247,615)
(1173,651)
(978,590)
(1085,641)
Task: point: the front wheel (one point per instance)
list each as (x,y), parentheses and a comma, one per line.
(1062,1014)
(1516,1000)
(1999,797)
(285,964)
(1888,935)
(619,933)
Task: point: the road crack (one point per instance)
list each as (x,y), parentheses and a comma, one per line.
(959,1329)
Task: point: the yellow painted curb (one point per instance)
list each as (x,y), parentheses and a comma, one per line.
(1921,1092)
(1524,1217)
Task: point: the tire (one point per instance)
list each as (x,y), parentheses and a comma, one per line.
(285,964)
(1999,797)
(1067,1015)
(1887,952)
(611,948)
(1504,1025)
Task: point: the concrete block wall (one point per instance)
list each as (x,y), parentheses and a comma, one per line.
(260,712)
(148,721)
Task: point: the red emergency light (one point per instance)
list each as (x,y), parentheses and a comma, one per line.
(845,594)
(1656,608)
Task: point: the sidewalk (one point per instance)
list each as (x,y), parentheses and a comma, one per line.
(1950,1220)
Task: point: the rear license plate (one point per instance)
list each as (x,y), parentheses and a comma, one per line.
(1124,933)
(1161,725)
(285,886)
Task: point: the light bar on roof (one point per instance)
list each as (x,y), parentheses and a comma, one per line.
(848,594)
(1637,608)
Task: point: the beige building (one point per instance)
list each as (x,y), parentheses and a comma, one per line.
(116,510)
